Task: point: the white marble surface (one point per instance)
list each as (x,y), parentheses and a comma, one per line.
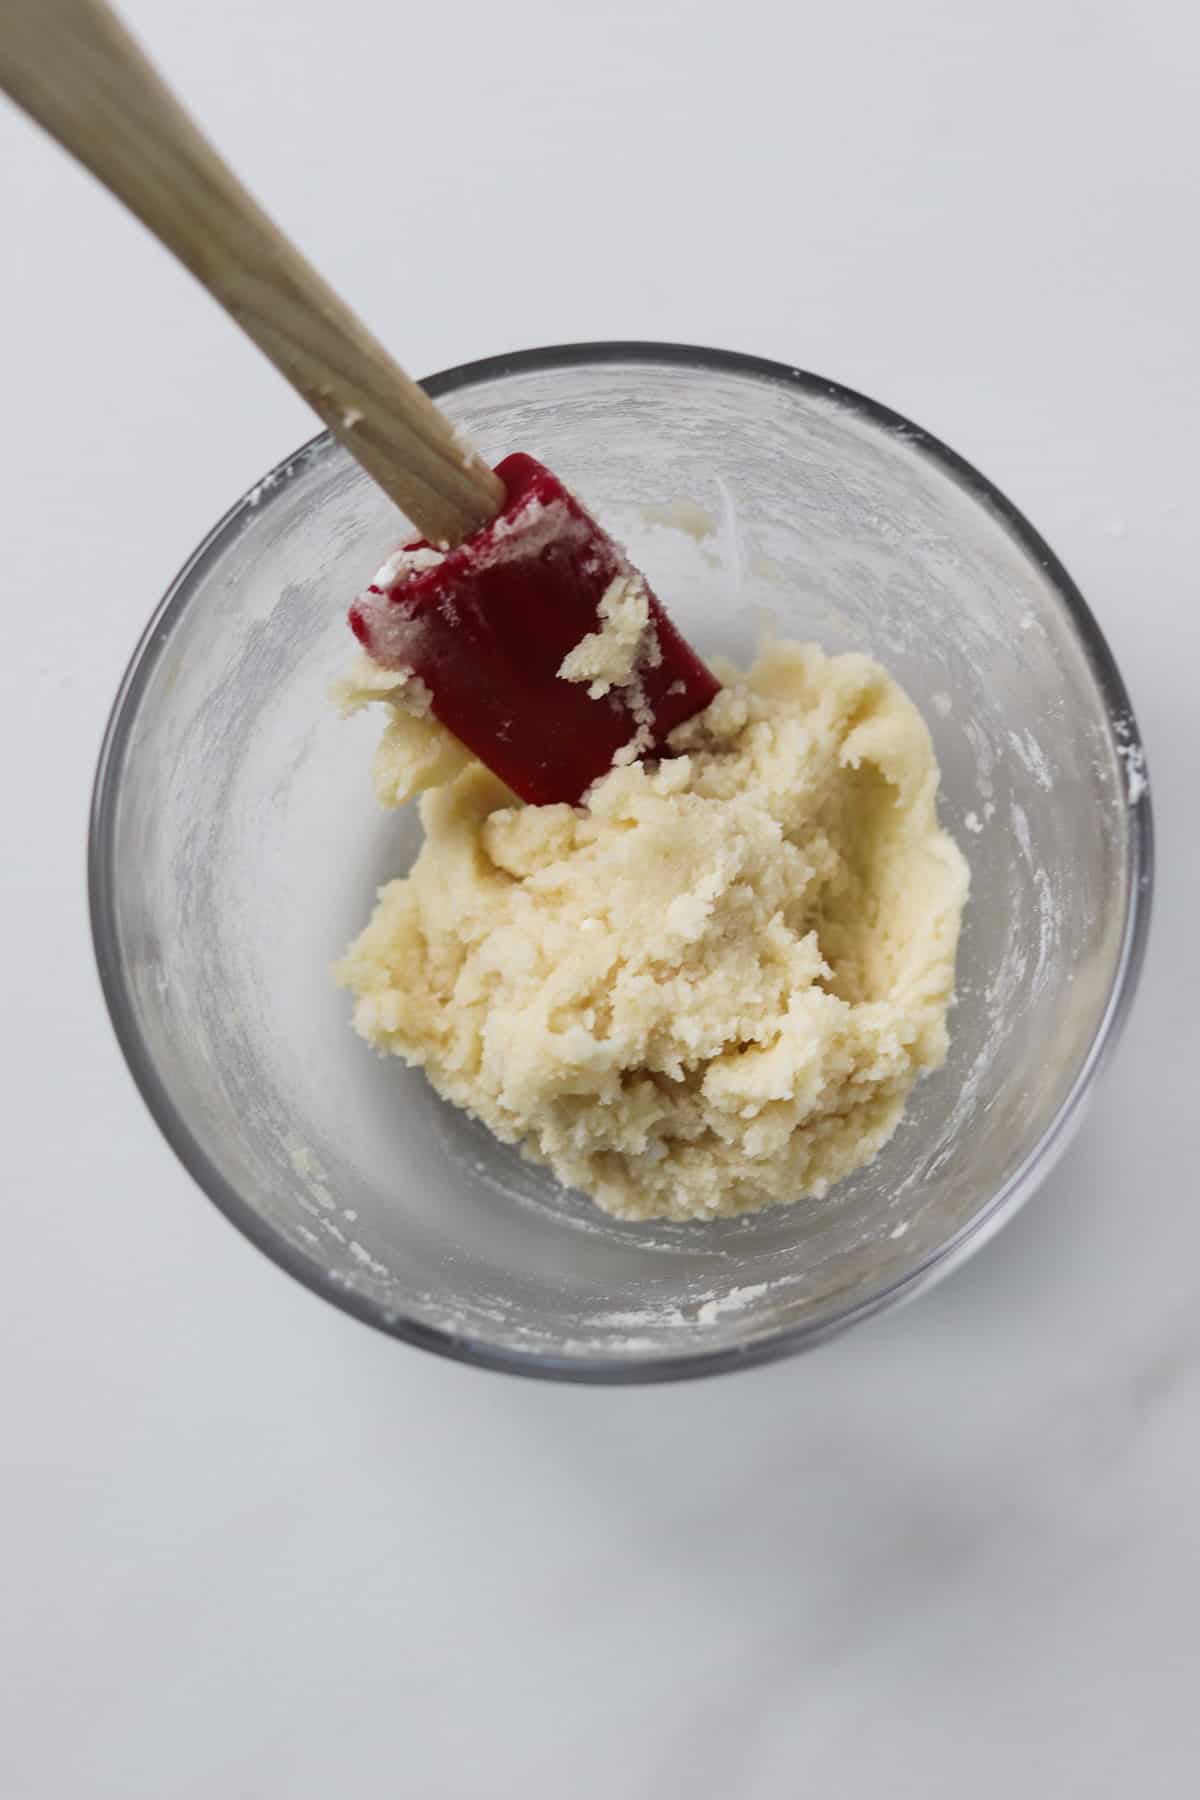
(251,1549)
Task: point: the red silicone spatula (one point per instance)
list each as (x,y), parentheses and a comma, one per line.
(525,567)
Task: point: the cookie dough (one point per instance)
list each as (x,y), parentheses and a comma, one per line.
(710,987)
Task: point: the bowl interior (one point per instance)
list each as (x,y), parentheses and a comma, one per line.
(238,847)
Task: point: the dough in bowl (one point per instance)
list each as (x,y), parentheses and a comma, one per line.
(711,986)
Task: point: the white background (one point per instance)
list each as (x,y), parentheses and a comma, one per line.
(251,1549)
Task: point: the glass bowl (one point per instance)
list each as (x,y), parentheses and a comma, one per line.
(236,847)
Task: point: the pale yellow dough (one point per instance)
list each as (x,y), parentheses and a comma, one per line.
(710,987)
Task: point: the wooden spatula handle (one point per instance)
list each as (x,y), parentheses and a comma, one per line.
(72,65)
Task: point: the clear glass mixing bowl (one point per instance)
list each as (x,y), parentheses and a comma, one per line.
(236,847)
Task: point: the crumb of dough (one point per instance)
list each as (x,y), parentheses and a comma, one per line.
(615,656)
(415,752)
(625,643)
(711,986)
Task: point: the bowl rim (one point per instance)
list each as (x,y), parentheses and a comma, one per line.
(771,1345)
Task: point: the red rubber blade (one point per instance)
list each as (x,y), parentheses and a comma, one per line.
(486,628)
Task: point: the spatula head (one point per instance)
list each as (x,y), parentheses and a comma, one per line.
(487,626)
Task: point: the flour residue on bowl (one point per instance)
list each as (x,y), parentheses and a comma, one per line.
(705,1308)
